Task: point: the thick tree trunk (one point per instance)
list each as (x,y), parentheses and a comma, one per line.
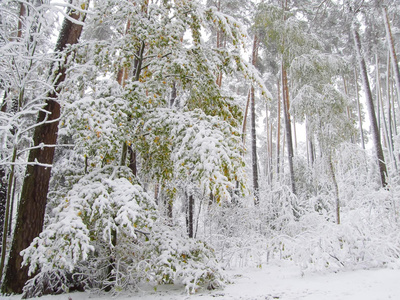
(32,205)
(371,110)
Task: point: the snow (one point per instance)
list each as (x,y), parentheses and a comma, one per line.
(279,280)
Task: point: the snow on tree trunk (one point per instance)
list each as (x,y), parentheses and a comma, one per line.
(371,110)
(335,188)
(33,200)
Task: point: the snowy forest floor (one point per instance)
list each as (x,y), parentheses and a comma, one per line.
(280,280)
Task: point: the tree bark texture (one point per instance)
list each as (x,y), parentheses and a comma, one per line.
(189,216)
(253,131)
(371,110)
(288,127)
(33,200)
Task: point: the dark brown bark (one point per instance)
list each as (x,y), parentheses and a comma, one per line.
(132,161)
(33,200)
(189,215)
(371,111)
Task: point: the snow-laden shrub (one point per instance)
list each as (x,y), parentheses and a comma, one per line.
(236,232)
(105,231)
(361,241)
(173,258)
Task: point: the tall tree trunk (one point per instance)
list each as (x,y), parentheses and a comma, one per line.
(359,110)
(254,150)
(288,127)
(389,38)
(268,162)
(371,110)
(15,107)
(278,132)
(253,130)
(33,200)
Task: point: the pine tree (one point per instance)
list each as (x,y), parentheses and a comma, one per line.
(34,191)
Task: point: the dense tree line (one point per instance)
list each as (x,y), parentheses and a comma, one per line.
(124,131)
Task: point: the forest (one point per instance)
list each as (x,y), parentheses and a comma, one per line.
(167,141)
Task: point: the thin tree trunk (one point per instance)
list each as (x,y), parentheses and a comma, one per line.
(359,110)
(389,117)
(268,164)
(389,38)
(189,215)
(288,127)
(335,187)
(15,107)
(346,91)
(254,149)
(253,130)
(12,206)
(246,112)
(3,201)
(7,212)
(381,108)
(371,110)
(278,133)
(33,200)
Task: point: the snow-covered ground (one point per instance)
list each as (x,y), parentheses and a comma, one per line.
(277,281)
